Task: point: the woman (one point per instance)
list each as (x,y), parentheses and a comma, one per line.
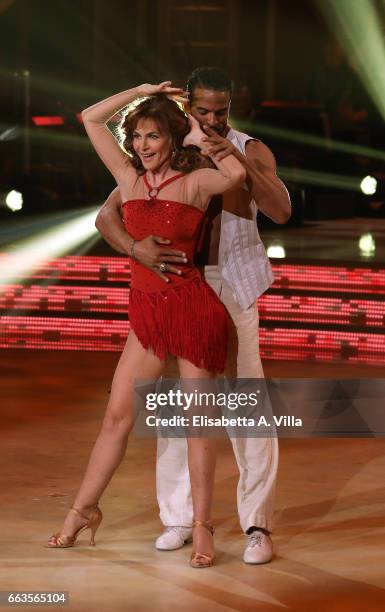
(178,314)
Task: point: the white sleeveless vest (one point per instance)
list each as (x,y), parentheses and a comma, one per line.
(242,258)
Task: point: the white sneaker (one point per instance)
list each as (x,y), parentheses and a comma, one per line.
(173,538)
(259,548)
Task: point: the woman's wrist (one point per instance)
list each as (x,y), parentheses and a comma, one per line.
(141,91)
(200,141)
(105,109)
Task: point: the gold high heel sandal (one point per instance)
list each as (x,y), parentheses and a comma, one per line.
(199,560)
(60,540)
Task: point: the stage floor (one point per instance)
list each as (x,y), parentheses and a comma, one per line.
(330,532)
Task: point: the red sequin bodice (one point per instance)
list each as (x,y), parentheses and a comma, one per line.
(180,223)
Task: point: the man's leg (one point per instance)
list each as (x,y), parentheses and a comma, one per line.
(173,490)
(257,458)
(173,482)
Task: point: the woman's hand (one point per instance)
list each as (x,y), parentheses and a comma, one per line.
(196,136)
(165,88)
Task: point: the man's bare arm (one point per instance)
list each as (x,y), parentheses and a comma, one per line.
(266,188)
(110,224)
(148,251)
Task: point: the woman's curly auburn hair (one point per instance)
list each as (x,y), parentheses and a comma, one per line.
(171,120)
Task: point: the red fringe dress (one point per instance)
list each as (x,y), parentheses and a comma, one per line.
(184,317)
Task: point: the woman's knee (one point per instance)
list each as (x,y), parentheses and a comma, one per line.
(117,423)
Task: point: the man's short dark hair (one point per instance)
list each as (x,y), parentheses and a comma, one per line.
(209,77)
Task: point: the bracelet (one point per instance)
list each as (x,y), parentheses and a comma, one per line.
(132,254)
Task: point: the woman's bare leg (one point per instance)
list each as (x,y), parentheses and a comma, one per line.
(201,462)
(110,446)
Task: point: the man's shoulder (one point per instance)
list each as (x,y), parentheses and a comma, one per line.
(233,133)
(240,139)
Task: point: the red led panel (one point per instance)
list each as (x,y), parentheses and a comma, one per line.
(287,276)
(328,278)
(315,345)
(272,307)
(76,333)
(328,311)
(48,120)
(103,335)
(63,334)
(65,299)
(105,269)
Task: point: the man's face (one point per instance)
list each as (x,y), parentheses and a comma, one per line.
(211,108)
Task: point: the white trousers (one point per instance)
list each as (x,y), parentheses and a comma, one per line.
(257,458)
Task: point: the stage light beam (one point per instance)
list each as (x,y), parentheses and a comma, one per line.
(318,142)
(26,257)
(357,26)
(321,179)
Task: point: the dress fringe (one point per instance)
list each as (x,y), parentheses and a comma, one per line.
(187,321)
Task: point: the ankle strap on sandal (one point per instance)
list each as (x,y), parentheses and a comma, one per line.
(79,513)
(205,524)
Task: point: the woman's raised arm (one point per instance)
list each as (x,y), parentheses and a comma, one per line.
(229,173)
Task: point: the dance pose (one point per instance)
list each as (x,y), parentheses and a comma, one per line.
(236,266)
(162,194)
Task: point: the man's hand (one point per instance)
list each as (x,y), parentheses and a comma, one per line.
(217,146)
(151,255)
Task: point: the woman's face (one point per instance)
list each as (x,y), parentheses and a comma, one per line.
(153,146)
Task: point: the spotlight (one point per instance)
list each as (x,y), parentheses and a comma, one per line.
(14,200)
(368,185)
(372,200)
(276,250)
(367,245)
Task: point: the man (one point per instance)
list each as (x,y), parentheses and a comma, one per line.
(236,266)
